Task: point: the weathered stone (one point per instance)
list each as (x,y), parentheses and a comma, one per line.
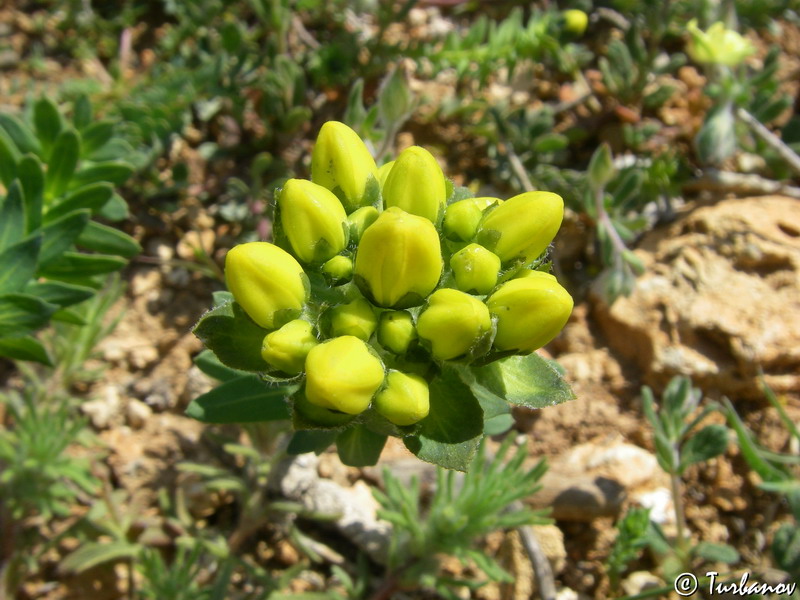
(719,300)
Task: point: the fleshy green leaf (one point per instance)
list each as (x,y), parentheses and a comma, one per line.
(63,161)
(243,400)
(24,348)
(66,315)
(209,364)
(18,263)
(12,216)
(92,197)
(707,443)
(91,554)
(359,446)
(95,136)
(716,552)
(450,434)
(786,548)
(23,138)
(115,171)
(528,381)
(105,239)
(59,293)
(20,314)
(233,337)
(59,235)
(47,122)
(9,157)
(76,266)
(116,209)
(82,113)
(31,176)
(311,440)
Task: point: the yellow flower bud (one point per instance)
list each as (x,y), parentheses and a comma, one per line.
(341,160)
(453,322)
(342,374)
(339,268)
(717,46)
(531,311)
(523,226)
(286,348)
(475,269)
(356,318)
(396,331)
(575,21)
(313,220)
(267,282)
(383,172)
(405,399)
(416,184)
(399,259)
(360,219)
(461,219)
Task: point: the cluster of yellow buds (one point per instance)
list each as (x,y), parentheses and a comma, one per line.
(374,280)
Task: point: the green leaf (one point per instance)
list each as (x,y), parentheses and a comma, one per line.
(707,443)
(31,176)
(243,400)
(95,136)
(786,548)
(66,315)
(23,138)
(59,293)
(47,122)
(359,447)
(77,266)
(528,381)
(9,157)
(59,235)
(102,238)
(82,112)
(18,264)
(716,552)
(450,434)
(311,440)
(233,337)
(63,161)
(551,142)
(114,171)
(24,348)
(20,314)
(601,167)
(91,554)
(716,139)
(12,216)
(92,197)
(116,209)
(209,364)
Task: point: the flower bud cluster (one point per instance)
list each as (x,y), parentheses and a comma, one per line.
(375,279)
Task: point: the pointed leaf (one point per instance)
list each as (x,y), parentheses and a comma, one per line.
(18,264)
(102,238)
(707,443)
(59,293)
(311,440)
(116,209)
(24,348)
(75,266)
(21,314)
(91,554)
(82,112)
(359,446)
(233,337)
(9,157)
(23,138)
(209,364)
(92,197)
(243,400)
(95,136)
(716,552)
(63,161)
(47,122)
(59,235)
(450,434)
(67,315)
(31,175)
(115,171)
(12,216)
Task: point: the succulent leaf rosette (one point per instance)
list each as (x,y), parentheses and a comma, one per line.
(392,303)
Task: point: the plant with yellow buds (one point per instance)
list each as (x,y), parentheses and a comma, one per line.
(390,304)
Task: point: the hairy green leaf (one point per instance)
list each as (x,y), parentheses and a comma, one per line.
(359,446)
(233,336)
(246,399)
